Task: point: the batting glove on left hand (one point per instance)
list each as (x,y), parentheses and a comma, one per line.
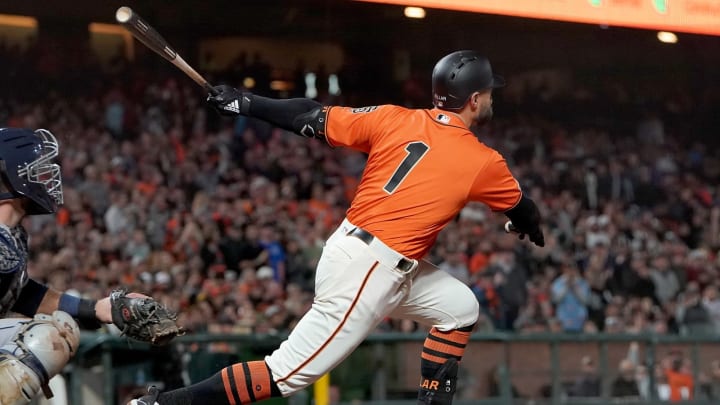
(229,101)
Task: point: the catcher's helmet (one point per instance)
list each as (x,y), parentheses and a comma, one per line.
(457,75)
(28,170)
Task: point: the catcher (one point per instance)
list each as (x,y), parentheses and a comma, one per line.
(34,349)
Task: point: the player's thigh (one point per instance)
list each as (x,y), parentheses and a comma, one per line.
(353,293)
(438,299)
(9,328)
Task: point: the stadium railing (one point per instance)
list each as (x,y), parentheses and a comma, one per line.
(540,368)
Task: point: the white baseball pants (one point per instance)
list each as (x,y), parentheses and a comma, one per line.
(357,286)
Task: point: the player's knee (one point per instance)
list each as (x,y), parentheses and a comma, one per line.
(55,341)
(47,342)
(470,310)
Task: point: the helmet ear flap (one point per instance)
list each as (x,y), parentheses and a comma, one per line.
(6,190)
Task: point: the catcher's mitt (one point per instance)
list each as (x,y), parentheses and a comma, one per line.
(143,319)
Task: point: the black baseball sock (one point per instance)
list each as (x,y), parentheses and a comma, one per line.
(239,384)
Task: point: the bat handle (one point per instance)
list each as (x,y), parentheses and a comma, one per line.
(510,228)
(211,89)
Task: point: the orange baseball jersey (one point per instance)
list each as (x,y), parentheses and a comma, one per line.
(423,167)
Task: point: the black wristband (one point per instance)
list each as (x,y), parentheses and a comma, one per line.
(86,315)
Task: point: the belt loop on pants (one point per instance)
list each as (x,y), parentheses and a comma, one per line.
(404,264)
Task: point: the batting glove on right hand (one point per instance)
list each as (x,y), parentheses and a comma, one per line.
(229,101)
(536,236)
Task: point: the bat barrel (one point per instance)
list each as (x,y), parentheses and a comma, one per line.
(144,32)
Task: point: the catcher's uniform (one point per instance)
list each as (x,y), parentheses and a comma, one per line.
(423,167)
(32,350)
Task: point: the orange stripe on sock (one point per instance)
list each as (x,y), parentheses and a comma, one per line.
(261,380)
(444,348)
(228,388)
(434,359)
(240,385)
(454,336)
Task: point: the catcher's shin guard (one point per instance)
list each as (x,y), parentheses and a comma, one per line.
(18,382)
(440,389)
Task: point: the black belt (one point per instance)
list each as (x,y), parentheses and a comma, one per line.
(365,236)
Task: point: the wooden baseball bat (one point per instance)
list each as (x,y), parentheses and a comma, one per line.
(146,34)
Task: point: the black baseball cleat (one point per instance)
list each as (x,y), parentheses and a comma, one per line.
(440,389)
(149,399)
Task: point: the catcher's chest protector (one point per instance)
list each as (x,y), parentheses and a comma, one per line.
(13,266)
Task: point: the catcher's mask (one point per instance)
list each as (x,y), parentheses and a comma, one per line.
(28,169)
(458,75)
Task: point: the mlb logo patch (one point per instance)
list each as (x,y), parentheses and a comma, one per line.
(443,118)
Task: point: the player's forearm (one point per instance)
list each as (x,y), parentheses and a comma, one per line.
(36,298)
(281,113)
(302,116)
(50,302)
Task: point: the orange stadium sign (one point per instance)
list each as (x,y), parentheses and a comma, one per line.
(694,16)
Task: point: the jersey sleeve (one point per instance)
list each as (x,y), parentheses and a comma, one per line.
(495,185)
(355,128)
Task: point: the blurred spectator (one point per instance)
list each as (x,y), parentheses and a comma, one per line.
(711,302)
(511,282)
(455,265)
(587,384)
(485,290)
(538,308)
(642,286)
(570,293)
(625,385)
(712,386)
(692,315)
(665,280)
(679,378)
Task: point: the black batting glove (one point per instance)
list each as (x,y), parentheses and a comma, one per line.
(536,236)
(533,232)
(525,218)
(229,101)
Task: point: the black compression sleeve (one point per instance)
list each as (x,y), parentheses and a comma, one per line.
(30,298)
(525,215)
(281,113)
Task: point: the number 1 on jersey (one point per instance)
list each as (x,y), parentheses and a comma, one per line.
(416,151)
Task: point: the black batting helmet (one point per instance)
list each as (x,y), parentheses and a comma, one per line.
(457,75)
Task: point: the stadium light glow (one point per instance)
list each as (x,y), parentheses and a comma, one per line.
(694,16)
(667,37)
(414,12)
(18,21)
(115,29)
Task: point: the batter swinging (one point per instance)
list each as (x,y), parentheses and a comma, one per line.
(423,166)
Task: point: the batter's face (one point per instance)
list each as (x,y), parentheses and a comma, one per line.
(482,106)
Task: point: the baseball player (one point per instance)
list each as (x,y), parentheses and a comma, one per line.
(423,166)
(34,349)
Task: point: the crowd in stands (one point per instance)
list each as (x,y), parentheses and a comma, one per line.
(224,220)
